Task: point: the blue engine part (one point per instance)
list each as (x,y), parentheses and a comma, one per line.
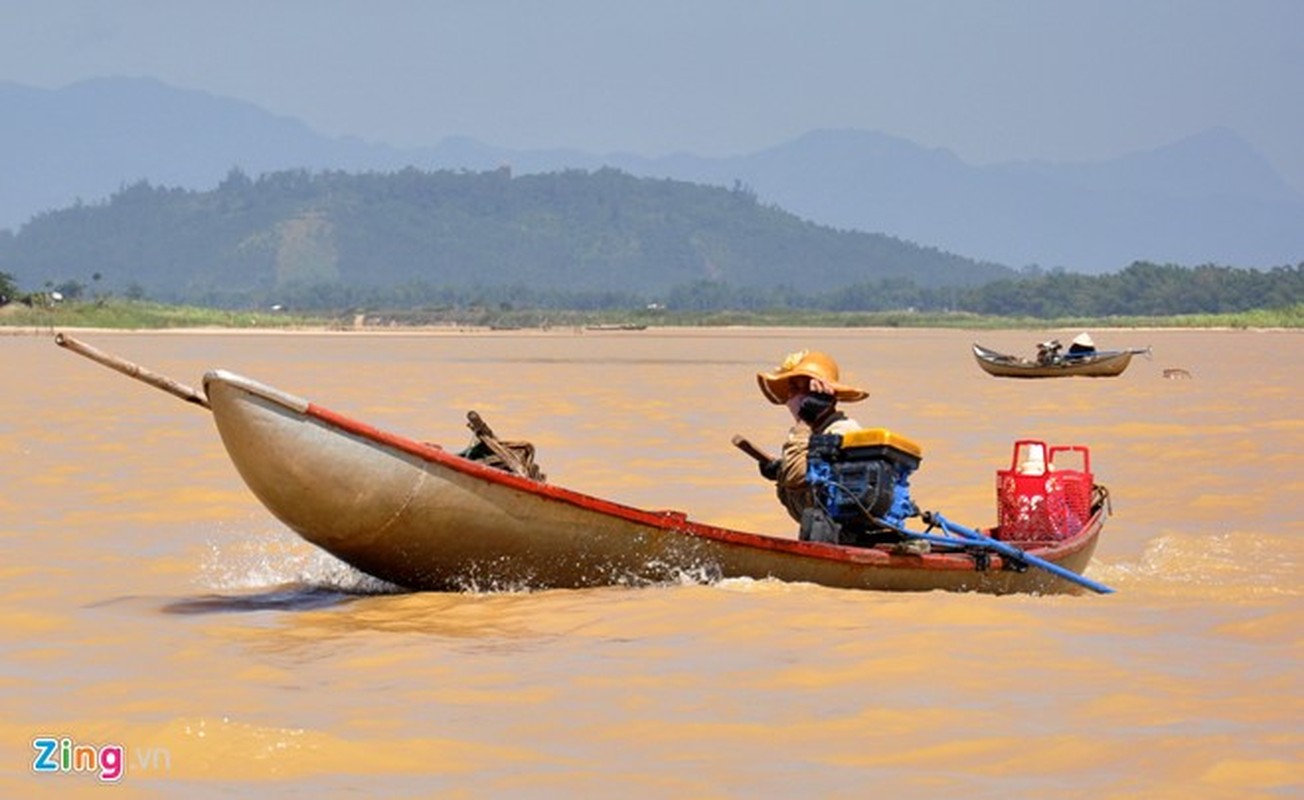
(859,481)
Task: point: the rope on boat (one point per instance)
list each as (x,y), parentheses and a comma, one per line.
(514,457)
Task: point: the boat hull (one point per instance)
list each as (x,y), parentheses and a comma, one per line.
(422,518)
(1007,366)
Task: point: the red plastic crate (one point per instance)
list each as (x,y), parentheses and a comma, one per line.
(1041,497)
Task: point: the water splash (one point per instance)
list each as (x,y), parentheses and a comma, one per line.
(483,578)
(277,559)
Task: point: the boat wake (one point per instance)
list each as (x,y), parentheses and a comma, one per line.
(1233,564)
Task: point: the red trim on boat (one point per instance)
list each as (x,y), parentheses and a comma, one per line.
(677,521)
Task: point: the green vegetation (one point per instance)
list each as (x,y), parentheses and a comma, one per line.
(1142,289)
(123,314)
(8,289)
(568,248)
(335,240)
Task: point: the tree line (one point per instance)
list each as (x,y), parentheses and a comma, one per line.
(571,240)
(573,231)
(1142,289)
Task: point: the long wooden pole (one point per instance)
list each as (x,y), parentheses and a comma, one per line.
(190,395)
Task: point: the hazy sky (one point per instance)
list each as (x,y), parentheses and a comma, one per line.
(990,80)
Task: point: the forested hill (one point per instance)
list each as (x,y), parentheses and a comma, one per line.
(572,231)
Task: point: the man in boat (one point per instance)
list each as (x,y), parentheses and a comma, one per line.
(808,383)
(1081,346)
(1048,352)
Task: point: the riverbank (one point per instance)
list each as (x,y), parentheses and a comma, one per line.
(121,315)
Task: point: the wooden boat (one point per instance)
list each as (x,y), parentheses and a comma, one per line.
(1105,364)
(422,517)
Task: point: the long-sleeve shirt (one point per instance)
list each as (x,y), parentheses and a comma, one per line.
(791,486)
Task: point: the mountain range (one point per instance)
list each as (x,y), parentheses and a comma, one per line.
(1206,199)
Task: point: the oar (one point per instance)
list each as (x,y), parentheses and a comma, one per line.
(136,371)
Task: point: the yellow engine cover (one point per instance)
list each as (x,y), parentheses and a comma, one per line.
(872,437)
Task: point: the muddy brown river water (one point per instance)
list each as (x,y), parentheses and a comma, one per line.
(153,616)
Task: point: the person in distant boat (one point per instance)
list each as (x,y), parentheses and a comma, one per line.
(1048,351)
(808,383)
(1082,345)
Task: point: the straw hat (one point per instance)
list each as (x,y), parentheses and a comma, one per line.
(812,364)
(1083,340)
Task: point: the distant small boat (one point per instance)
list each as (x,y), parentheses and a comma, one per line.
(629,326)
(1101,364)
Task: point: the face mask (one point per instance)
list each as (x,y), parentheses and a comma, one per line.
(814,406)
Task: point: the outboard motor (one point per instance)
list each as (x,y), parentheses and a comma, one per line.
(859,477)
